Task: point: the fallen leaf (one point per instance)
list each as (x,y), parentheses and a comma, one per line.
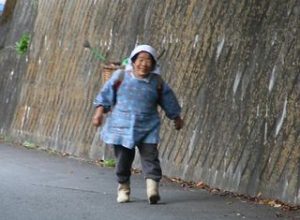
(201,185)
(277,205)
(259,194)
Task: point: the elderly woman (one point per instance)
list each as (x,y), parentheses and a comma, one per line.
(133,95)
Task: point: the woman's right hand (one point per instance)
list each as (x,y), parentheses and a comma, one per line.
(97,120)
(98,116)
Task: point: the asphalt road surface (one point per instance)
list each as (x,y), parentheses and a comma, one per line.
(36,185)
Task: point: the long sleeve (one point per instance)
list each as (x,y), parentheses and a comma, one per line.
(106,95)
(169,102)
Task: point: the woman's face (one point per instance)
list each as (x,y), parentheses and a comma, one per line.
(143,64)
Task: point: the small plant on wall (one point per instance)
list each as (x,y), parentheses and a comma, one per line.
(35,3)
(23,44)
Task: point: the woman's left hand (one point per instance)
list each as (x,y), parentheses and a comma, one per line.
(178,123)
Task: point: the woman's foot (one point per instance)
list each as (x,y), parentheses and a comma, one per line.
(152,191)
(123,193)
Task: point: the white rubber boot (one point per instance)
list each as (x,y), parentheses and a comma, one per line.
(123,192)
(152,191)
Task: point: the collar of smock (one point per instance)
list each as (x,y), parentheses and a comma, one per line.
(146,79)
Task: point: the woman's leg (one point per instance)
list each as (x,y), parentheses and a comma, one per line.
(150,161)
(124,157)
(152,170)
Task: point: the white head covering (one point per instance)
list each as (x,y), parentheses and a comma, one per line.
(145,48)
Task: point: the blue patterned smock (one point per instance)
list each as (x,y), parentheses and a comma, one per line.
(134,117)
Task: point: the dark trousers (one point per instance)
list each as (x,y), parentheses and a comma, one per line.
(149,159)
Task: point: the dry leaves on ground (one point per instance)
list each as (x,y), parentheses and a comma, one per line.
(258,199)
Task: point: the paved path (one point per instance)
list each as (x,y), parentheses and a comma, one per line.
(36,185)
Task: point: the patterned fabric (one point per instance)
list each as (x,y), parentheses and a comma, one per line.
(134,118)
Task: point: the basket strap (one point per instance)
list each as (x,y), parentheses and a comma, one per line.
(160,84)
(117,85)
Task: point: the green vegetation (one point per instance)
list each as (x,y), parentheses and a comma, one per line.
(109,163)
(23,44)
(29,145)
(6,138)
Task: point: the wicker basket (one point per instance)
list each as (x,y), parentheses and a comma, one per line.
(108,69)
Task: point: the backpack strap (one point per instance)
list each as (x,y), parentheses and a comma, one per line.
(117,85)
(160,87)
(119,80)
